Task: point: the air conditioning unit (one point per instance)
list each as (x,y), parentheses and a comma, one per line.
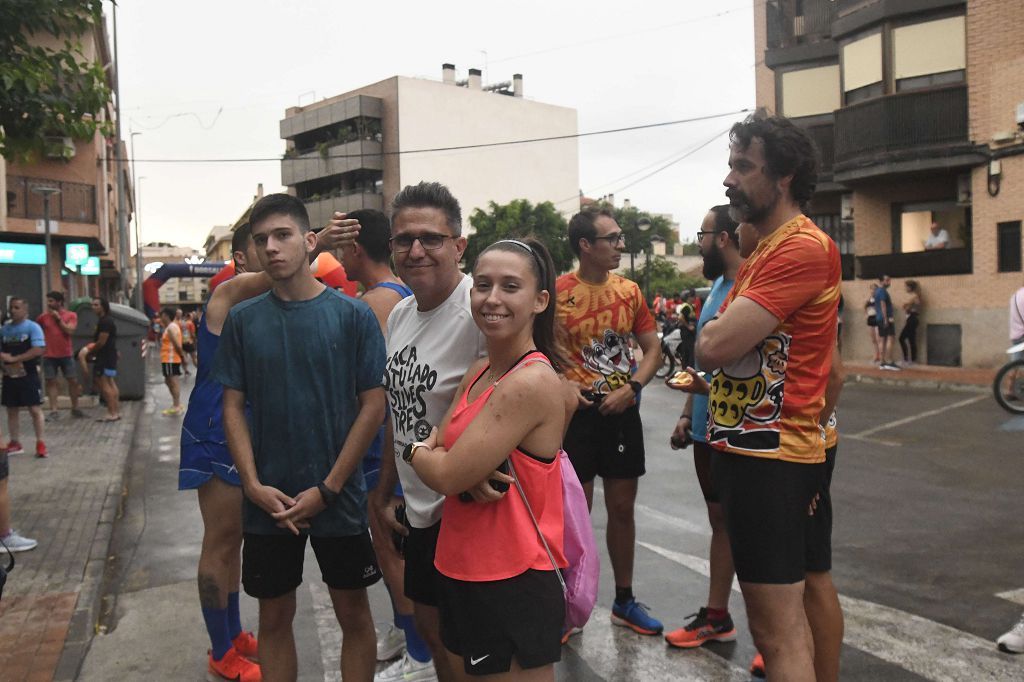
(61,148)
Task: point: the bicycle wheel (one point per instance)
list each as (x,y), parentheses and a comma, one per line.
(1009,387)
(668,364)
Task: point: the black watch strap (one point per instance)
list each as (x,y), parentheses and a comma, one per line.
(636,386)
(326,494)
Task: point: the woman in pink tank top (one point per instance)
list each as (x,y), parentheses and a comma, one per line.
(501,602)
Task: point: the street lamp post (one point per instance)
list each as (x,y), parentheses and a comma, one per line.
(46,193)
(138,242)
(644,226)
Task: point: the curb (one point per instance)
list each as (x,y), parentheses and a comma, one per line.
(82,628)
(932,384)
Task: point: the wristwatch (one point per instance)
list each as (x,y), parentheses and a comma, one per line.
(410,450)
(636,386)
(326,494)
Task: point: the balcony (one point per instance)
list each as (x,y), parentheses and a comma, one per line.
(322,209)
(852,16)
(824,139)
(904,132)
(76,202)
(788,29)
(338,159)
(916,264)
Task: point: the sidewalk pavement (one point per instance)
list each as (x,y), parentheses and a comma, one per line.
(923,376)
(68,502)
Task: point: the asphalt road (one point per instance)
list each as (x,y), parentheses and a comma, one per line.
(928,535)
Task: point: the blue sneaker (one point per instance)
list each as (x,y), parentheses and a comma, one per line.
(633,615)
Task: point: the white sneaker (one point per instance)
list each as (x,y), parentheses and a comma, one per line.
(17,543)
(1013,641)
(407,669)
(390,643)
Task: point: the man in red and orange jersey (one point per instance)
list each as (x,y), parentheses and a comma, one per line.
(770,349)
(599,312)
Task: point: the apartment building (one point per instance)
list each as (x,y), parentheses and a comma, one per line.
(218,243)
(83,212)
(917,109)
(358,149)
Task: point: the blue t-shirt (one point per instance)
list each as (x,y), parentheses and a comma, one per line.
(719,290)
(301,365)
(883,306)
(17,338)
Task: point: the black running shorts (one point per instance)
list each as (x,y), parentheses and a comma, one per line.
(702,453)
(487,623)
(272,564)
(421,577)
(26,391)
(609,446)
(765,503)
(171,369)
(819,526)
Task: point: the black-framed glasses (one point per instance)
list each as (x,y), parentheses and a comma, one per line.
(701,233)
(612,239)
(429,242)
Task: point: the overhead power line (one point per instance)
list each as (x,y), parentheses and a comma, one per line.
(482,145)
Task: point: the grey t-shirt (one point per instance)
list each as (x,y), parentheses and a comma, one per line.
(301,365)
(428,354)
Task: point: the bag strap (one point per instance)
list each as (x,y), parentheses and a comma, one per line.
(529,510)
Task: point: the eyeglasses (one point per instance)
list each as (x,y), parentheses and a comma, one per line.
(429,242)
(701,233)
(612,239)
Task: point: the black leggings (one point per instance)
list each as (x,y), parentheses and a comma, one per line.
(908,338)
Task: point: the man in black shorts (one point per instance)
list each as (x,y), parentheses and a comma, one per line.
(21,345)
(601,313)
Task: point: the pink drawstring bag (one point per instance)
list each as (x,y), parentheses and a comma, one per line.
(580,579)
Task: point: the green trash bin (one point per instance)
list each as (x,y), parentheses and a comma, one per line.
(132,327)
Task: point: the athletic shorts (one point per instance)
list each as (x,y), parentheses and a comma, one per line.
(5,467)
(204,460)
(188,347)
(272,564)
(170,369)
(765,503)
(819,526)
(609,446)
(872,322)
(26,391)
(104,371)
(65,365)
(489,623)
(702,454)
(886,329)
(421,577)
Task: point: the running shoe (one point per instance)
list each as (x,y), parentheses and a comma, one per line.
(41,449)
(702,629)
(18,543)
(633,615)
(390,643)
(245,643)
(407,669)
(1012,642)
(171,411)
(566,634)
(235,666)
(77,413)
(14,448)
(757,666)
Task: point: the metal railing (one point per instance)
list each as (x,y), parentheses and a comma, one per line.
(76,202)
(901,121)
(824,139)
(786,28)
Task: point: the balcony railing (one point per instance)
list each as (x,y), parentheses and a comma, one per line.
(786,28)
(824,139)
(76,202)
(322,209)
(901,121)
(916,264)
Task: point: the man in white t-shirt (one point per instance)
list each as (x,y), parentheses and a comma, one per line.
(939,239)
(431,342)
(1017,320)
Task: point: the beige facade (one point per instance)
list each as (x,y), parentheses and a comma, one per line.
(218,243)
(358,149)
(925,130)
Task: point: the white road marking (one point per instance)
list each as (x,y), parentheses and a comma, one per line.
(875,441)
(929,649)
(173,440)
(1016,596)
(658,515)
(922,415)
(328,630)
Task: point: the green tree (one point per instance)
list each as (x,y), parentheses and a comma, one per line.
(516,220)
(47,91)
(665,276)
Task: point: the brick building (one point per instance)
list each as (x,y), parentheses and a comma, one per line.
(917,108)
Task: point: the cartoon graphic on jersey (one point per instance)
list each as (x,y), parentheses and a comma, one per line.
(611,358)
(745,400)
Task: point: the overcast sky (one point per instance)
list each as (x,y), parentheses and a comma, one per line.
(211,80)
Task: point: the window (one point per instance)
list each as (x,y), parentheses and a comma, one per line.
(841,231)
(808,92)
(862,68)
(1008,243)
(929,54)
(914,222)
(182,295)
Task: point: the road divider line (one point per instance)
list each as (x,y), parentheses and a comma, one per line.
(922,415)
(924,647)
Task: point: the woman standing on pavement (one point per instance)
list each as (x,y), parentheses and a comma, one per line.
(502,606)
(912,309)
(869,312)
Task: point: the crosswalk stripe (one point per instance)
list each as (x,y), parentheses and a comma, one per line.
(929,649)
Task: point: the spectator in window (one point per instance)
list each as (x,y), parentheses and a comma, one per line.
(938,240)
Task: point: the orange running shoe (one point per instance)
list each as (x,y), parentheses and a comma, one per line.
(701,630)
(757,666)
(246,645)
(234,666)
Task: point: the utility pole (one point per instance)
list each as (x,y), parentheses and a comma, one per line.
(122,224)
(47,192)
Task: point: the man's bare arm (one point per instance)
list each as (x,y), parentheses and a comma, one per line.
(836,377)
(733,334)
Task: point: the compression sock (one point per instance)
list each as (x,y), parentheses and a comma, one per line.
(217,627)
(414,644)
(234,617)
(623,595)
